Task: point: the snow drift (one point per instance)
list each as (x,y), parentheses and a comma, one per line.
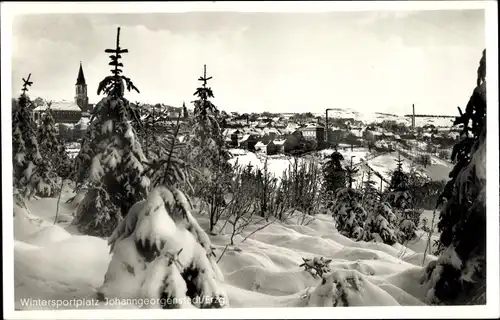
(54,262)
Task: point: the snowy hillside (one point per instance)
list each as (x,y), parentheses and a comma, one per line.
(377,117)
(55,262)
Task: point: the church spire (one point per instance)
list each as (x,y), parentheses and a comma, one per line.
(81,98)
(81,78)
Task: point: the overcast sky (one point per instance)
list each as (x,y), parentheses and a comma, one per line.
(284,62)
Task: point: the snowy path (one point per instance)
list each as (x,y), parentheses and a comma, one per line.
(54,262)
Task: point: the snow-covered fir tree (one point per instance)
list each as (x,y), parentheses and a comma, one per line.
(334,176)
(207,129)
(349,213)
(351,172)
(380,224)
(160,252)
(354,222)
(418,189)
(392,218)
(111,162)
(459,275)
(208,151)
(265,182)
(398,192)
(51,147)
(32,174)
(206,139)
(371,195)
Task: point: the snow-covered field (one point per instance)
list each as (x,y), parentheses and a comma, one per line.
(383,164)
(54,261)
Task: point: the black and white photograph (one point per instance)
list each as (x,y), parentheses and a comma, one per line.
(259,159)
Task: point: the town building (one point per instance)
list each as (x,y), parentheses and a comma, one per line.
(68,112)
(62,112)
(231,136)
(275,147)
(314,132)
(261,147)
(248,142)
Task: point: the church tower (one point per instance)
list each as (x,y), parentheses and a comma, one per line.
(81,98)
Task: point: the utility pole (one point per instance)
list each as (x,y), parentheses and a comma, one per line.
(326,123)
(413,118)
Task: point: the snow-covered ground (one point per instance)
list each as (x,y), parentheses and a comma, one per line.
(383,164)
(54,261)
(279,163)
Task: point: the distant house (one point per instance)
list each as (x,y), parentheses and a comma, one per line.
(291,127)
(62,112)
(261,147)
(66,132)
(233,124)
(80,128)
(174,115)
(248,142)
(264,124)
(429,128)
(280,125)
(275,147)
(454,135)
(255,132)
(356,131)
(335,136)
(427,136)
(231,136)
(388,135)
(272,132)
(408,136)
(266,139)
(314,131)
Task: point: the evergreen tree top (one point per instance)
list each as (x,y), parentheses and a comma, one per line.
(26,84)
(399,163)
(203,106)
(114,85)
(204,92)
(23,100)
(369,184)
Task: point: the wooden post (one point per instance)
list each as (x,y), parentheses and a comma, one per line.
(362,179)
(413,118)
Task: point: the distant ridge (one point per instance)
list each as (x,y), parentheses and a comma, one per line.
(387,114)
(429,116)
